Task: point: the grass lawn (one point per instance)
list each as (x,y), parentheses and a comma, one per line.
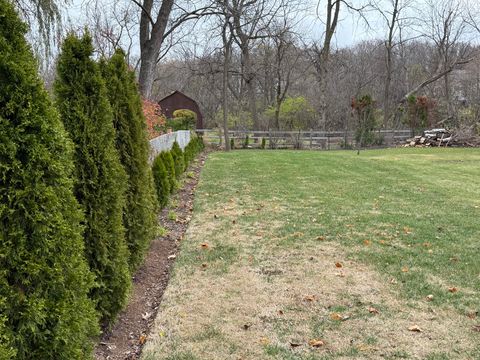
(328,255)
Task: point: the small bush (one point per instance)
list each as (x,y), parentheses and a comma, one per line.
(264,143)
(232,144)
(183,119)
(167,158)
(162,181)
(178,160)
(247,142)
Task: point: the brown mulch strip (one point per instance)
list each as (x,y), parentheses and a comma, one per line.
(126,338)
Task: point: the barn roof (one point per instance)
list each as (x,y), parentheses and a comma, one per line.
(179,93)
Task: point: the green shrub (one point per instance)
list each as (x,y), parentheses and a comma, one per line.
(100,179)
(183,119)
(232,144)
(162,182)
(131,142)
(170,166)
(178,160)
(246,142)
(264,143)
(45,312)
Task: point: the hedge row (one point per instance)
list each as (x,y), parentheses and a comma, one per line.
(168,167)
(77,197)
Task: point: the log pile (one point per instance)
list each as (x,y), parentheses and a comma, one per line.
(433,137)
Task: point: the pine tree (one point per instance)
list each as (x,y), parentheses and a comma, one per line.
(170,166)
(178,160)
(131,142)
(162,182)
(100,179)
(45,312)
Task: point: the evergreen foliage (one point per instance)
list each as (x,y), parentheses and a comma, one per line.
(132,145)
(45,312)
(162,181)
(178,160)
(264,143)
(100,179)
(170,166)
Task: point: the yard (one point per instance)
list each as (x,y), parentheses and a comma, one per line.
(328,255)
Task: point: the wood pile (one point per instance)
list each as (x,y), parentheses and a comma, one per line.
(433,137)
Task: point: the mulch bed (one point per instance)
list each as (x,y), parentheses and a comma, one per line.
(126,338)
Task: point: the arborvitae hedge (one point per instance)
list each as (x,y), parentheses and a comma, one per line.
(178,160)
(162,181)
(170,166)
(131,142)
(100,179)
(45,312)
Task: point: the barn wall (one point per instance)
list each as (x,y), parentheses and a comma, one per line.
(178,101)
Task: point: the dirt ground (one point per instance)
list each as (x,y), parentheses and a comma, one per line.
(129,333)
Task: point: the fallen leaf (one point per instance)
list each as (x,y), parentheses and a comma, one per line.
(454,259)
(339,317)
(393,281)
(204,246)
(171,257)
(452,289)
(372,310)
(247,326)
(316,343)
(476,328)
(429,297)
(472,315)
(309,298)
(349,225)
(338,265)
(264,341)
(407,230)
(415,328)
(295,344)
(142,339)
(383,242)
(426,244)
(405,269)
(321,238)
(280,312)
(367,242)
(204,265)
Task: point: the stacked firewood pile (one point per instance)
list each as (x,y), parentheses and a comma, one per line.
(441,137)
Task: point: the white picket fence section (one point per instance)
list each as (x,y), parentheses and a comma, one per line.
(165,142)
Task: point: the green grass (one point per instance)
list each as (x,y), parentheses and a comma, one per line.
(268,227)
(419,208)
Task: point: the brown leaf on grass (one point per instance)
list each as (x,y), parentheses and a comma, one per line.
(367,242)
(405,269)
(338,265)
(204,245)
(339,317)
(280,312)
(427,244)
(415,328)
(142,339)
(372,310)
(472,314)
(316,343)
(452,289)
(295,344)
(407,230)
(310,298)
(204,265)
(264,341)
(321,238)
(382,242)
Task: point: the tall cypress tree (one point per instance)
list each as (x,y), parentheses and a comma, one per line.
(100,179)
(132,144)
(45,312)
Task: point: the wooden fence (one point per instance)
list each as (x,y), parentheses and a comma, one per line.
(324,140)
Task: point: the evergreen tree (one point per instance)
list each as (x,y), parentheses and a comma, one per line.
(162,182)
(170,166)
(45,312)
(178,160)
(100,179)
(131,142)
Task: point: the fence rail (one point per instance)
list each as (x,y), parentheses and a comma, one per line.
(165,142)
(326,140)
